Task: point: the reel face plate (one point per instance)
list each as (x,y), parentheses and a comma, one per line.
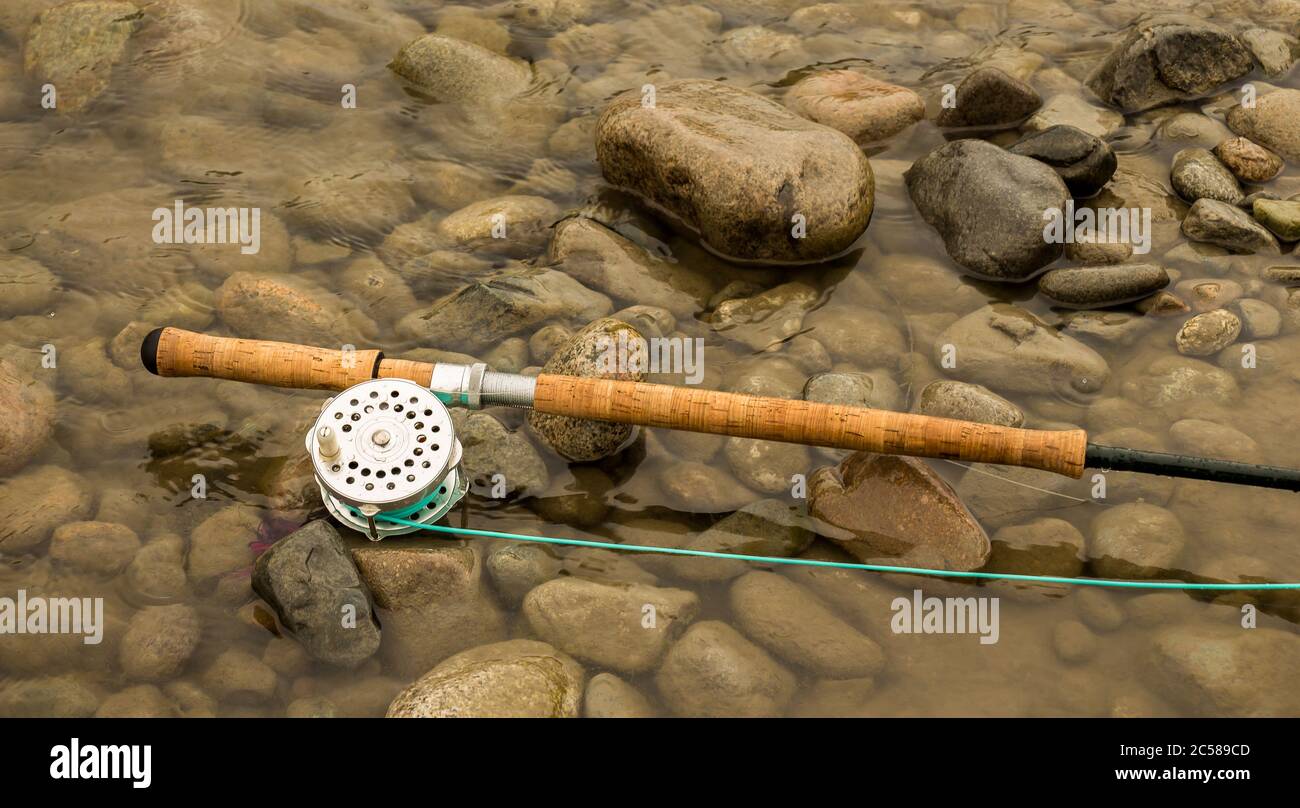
(386,446)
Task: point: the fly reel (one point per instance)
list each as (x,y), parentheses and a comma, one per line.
(386,446)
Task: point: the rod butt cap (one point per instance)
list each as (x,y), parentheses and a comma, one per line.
(149,350)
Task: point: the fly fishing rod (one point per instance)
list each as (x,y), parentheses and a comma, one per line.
(387,444)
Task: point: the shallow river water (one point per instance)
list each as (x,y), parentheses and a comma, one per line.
(247,103)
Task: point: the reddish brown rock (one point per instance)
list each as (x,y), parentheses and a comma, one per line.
(896,510)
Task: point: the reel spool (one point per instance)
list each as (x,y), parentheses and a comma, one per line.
(386,446)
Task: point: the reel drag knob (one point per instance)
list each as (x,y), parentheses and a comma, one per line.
(386,447)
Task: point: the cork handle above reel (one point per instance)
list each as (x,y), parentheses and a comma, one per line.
(176,352)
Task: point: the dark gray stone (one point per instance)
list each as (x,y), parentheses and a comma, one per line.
(989,98)
(1095,287)
(1169,58)
(988,206)
(311,582)
(1083,161)
(1228,226)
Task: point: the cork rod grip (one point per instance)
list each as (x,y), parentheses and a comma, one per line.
(177,352)
(810,423)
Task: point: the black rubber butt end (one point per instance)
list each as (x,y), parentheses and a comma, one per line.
(149,350)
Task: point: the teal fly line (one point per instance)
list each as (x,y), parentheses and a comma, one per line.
(808,562)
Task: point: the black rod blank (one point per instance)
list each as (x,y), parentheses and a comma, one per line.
(1111,458)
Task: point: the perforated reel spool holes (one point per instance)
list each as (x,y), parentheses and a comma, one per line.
(386,446)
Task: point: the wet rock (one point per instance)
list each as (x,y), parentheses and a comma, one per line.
(1167,59)
(581,502)
(587,355)
(1208,333)
(1283,275)
(157,573)
(1281,217)
(48,697)
(311,582)
(517,226)
(1043,546)
(1193,129)
(917,283)
(1207,294)
(382,292)
(491,449)
(1248,161)
(517,569)
(311,708)
(140,701)
(1270,122)
(100,547)
(767,318)
(1198,174)
(1177,380)
(286,308)
(895,510)
(26,287)
(75,47)
(989,98)
(1208,439)
(766,466)
(512,679)
(190,699)
(835,698)
(736,167)
(479,315)
(1224,671)
(875,390)
(608,696)
(159,641)
(702,488)
(1100,286)
(1117,327)
(768,527)
(1259,320)
(867,338)
(791,623)
(1007,348)
(605,261)
(1098,609)
(1135,540)
(1074,642)
(967,402)
(449,185)
(865,109)
(187,305)
(432,602)
(1228,226)
(1083,161)
(1274,50)
(1094,254)
(239,677)
(609,625)
(35,502)
(1069,109)
(714,671)
(354,203)
(988,207)
(29,410)
(546,340)
(96,378)
(455,71)
(221,543)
